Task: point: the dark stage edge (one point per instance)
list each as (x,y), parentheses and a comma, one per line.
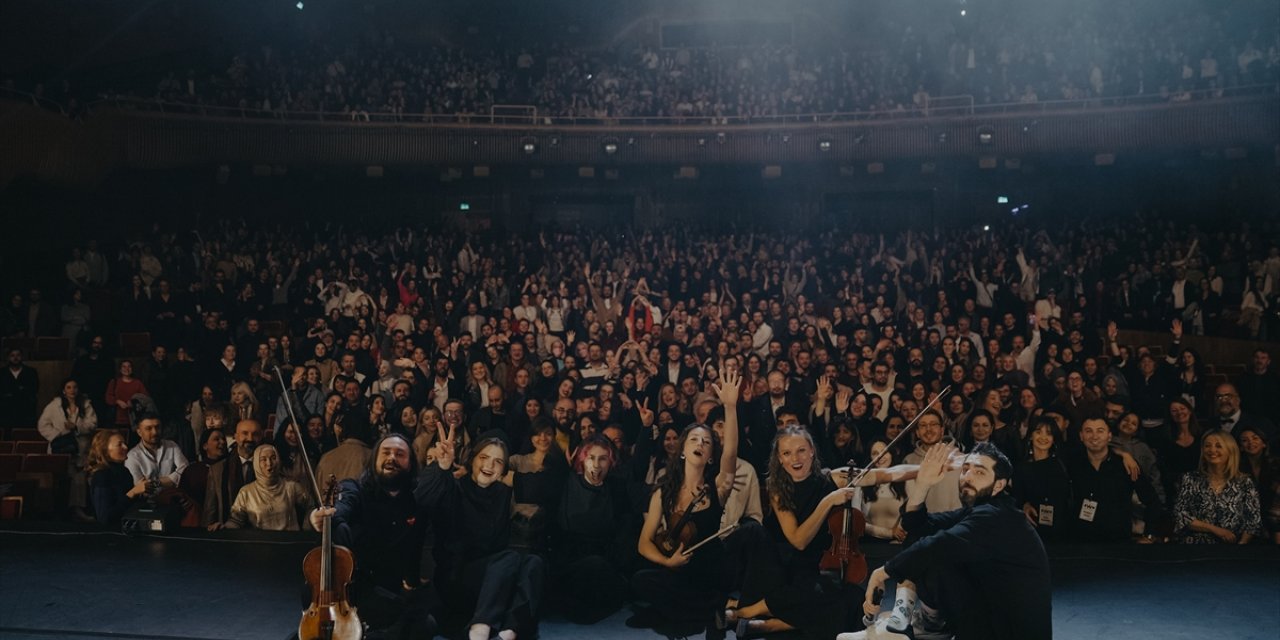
(61,582)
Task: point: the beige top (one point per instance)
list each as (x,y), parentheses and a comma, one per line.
(270,502)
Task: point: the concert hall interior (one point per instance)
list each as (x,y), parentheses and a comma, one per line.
(570,319)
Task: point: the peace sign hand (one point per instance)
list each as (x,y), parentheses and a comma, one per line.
(446,447)
(646,415)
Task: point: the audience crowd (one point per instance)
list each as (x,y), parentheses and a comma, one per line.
(565,347)
(996,57)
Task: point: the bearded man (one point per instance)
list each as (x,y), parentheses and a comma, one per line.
(384,518)
(978,572)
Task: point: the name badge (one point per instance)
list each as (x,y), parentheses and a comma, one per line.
(1088,510)
(1046,515)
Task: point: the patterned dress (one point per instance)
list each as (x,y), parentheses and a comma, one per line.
(1235,508)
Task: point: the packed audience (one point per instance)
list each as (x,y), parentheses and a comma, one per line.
(998,56)
(530,360)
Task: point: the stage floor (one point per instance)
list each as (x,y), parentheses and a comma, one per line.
(76,585)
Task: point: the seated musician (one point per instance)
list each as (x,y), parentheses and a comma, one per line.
(783,588)
(384,518)
(684,590)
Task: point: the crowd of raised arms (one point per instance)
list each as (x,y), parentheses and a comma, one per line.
(548,396)
(1011,55)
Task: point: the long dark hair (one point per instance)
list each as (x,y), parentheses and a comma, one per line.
(672,483)
(899,488)
(82,400)
(779,483)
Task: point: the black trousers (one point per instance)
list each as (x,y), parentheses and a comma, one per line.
(589,588)
(949,589)
(508,588)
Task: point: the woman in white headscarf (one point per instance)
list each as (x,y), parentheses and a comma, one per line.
(271,502)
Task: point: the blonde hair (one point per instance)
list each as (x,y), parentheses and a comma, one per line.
(1232,467)
(99,458)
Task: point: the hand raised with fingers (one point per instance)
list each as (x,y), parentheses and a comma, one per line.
(446,447)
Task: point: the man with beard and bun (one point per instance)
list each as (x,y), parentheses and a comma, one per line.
(980,571)
(384,518)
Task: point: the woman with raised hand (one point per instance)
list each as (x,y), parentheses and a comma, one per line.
(685,590)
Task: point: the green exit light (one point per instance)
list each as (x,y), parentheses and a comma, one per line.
(1002,199)
(464,206)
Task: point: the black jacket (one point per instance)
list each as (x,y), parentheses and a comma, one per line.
(995,549)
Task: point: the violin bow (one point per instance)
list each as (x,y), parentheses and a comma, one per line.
(727,529)
(853,481)
(302,435)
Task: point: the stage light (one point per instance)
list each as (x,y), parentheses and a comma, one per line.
(299,5)
(824,145)
(529,146)
(464,206)
(986,134)
(1002,199)
(963,13)
(610,145)
(986,227)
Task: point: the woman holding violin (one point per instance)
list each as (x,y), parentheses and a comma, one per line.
(804,529)
(685,589)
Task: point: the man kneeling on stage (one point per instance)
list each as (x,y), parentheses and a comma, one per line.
(979,572)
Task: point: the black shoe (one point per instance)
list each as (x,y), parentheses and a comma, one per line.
(643,618)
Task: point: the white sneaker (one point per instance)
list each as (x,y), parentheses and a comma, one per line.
(879,631)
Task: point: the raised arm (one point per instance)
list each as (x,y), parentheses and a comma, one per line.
(727,392)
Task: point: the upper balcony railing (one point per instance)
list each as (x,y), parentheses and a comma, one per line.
(527,116)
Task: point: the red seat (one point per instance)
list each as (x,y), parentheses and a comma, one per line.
(134,345)
(55,463)
(52,349)
(30,446)
(28,434)
(10,465)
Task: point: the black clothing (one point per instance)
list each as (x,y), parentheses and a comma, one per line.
(687,597)
(107,493)
(18,396)
(786,578)
(983,567)
(505,585)
(592,547)
(1110,487)
(1045,482)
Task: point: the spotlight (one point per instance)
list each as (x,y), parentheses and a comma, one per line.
(299,5)
(824,145)
(985,135)
(963,13)
(529,146)
(610,145)
(986,227)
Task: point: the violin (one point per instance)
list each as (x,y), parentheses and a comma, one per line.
(684,532)
(328,569)
(847,524)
